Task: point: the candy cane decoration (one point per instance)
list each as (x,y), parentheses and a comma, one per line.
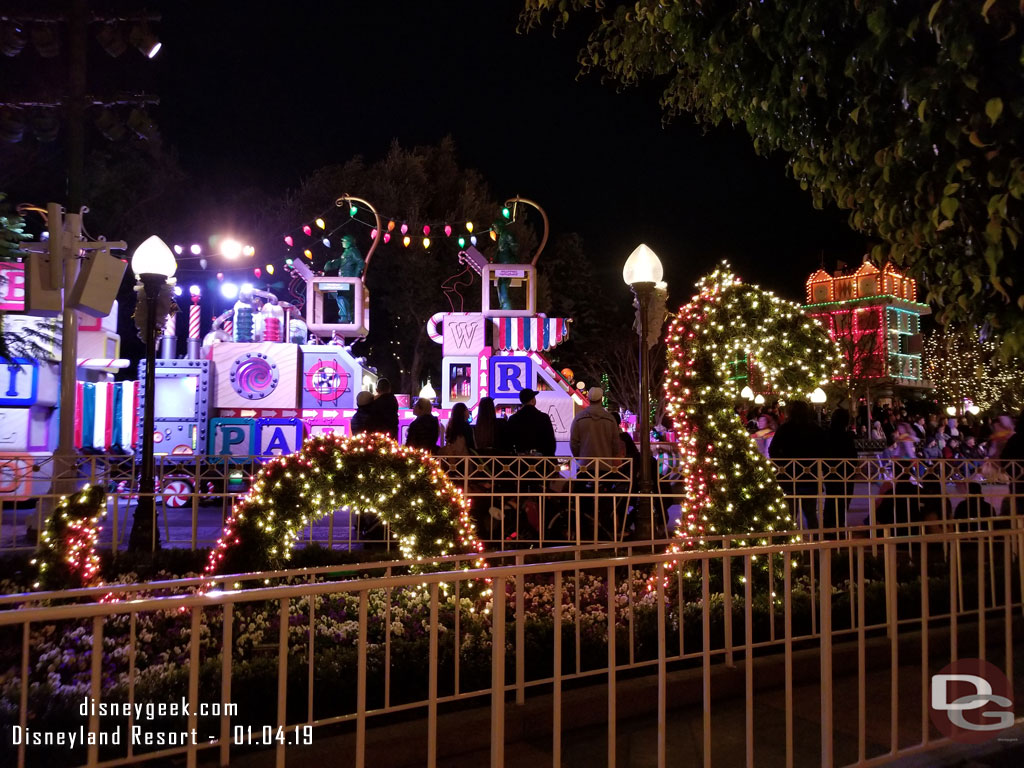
(103,362)
(432,332)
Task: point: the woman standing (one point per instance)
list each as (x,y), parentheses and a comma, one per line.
(458,437)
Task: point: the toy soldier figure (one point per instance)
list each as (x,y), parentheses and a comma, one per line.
(349,264)
(506,254)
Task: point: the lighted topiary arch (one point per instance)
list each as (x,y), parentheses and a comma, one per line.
(729,486)
(368,473)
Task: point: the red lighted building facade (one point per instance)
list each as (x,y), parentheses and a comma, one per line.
(874,316)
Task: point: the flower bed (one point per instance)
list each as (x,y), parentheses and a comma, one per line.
(60,653)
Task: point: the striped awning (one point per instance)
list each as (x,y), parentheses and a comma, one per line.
(107,415)
(528,334)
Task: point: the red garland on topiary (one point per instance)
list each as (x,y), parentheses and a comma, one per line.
(67,556)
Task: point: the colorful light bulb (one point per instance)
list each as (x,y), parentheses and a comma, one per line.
(405,228)
(426,242)
(462,242)
(469,226)
(473,239)
(289,240)
(391,226)
(406,240)
(506,212)
(353,210)
(447,230)
(307,253)
(307,230)
(387,237)
(373,233)
(320,223)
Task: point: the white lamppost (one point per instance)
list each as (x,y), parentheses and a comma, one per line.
(153,263)
(642,272)
(818,399)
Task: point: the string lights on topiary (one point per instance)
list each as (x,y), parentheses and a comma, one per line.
(406,488)
(67,557)
(729,487)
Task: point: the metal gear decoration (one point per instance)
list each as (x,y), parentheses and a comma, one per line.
(253,376)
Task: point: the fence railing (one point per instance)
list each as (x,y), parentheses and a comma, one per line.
(540,501)
(842,622)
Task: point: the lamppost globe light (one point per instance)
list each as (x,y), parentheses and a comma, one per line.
(759,400)
(747,393)
(973,410)
(951,410)
(153,257)
(229,291)
(642,266)
(194,290)
(428,392)
(818,396)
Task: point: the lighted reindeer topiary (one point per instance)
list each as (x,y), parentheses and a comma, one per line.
(369,474)
(729,487)
(67,553)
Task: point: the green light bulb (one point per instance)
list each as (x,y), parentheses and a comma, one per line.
(462,242)
(353,210)
(506,212)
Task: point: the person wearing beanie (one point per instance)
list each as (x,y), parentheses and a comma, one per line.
(595,433)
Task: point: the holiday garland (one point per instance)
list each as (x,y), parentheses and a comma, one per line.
(67,553)
(368,474)
(729,487)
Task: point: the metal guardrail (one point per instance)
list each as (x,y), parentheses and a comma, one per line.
(644,615)
(540,501)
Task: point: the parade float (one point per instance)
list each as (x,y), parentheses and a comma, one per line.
(274,369)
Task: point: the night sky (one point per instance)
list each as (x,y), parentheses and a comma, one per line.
(260,94)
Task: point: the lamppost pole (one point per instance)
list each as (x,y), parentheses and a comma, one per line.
(145,532)
(641,273)
(643,292)
(153,263)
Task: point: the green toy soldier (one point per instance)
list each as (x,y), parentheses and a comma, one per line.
(349,264)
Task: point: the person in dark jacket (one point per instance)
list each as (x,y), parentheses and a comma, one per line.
(530,430)
(425,429)
(363,416)
(384,410)
(799,437)
(839,445)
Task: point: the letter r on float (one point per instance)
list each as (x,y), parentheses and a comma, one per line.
(508,375)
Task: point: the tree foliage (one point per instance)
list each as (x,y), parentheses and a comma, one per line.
(962,367)
(417,186)
(909,115)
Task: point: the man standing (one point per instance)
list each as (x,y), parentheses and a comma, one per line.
(595,433)
(799,437)
(384,410)
(530,430)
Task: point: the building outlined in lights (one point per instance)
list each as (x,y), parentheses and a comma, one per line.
(874,316)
